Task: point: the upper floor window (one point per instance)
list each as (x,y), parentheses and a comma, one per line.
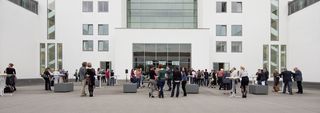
(236,30)
(87,45)
(236,7)
(87,29)
(221,7)
(103,45)
(87,6)
(221,46)
(236,46)
(103,29)
(221,30)
(103,6)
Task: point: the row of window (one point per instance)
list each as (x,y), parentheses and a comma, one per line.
(103,45)
(87,6)
(221,30)
(236,46)
(221,7)
(103,29)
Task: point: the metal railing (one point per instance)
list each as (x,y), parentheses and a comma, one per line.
(30,5)
(297,5)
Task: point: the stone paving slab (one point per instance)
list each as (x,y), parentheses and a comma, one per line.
(33,99)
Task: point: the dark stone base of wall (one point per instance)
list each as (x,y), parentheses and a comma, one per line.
(40,81)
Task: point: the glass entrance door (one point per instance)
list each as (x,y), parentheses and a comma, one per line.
(151,54)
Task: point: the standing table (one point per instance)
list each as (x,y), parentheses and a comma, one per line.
(100,75)
(233,85)
(2,83)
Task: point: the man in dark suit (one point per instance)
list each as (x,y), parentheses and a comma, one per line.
(298,78)
(287,80)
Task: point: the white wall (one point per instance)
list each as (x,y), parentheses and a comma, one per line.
(69,22)
(303,42)
(20,30)
(255,21)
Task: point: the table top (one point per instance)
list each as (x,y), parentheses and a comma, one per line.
(2,74)
(233,77)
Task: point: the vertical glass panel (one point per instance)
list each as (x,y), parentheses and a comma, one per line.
(274,57)
(221,7)
(138,52)
(103,45)
(162,13)
(59,55)
(266,56)
(51,19)
(236,46)
(274,20)
(236,30)
(221,46)
(150,52)
(185,52)
(87,45)
(51,58)
(221,30)
(236,7)
(162,52)
(173,52)
(283,56)
(103,29)
(42,57)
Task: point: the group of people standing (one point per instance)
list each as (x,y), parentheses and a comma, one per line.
(87,77)
(287,77)
(158,77)
(49,78)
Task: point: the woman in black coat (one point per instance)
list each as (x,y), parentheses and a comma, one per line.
(90,78)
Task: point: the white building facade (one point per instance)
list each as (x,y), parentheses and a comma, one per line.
(124,34)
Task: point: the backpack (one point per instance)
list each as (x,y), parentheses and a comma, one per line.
(8,89)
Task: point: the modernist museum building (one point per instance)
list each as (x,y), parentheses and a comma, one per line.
(125,34)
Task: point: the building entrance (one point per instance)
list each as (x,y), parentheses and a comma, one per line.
(151,54)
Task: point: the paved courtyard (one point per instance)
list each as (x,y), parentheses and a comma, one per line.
(33,99)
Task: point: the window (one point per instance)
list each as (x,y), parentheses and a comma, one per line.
(236,30)
(87,45)
(51,58)
(266,56)
(59,55)
(87,29)
(103,45)
(42,57)
(162,14)
(87,6)
(103,29)
(221,7)
(236,7)
(221,46)
(103,6)
(236,46)
(221,30)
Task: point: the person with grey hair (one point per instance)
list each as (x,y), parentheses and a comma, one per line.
(82,77)
(90,73)
(287,80)
(298,78)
